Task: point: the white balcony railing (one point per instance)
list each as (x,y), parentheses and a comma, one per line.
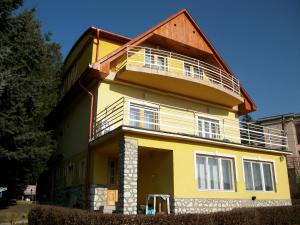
(150,116)
(165,61)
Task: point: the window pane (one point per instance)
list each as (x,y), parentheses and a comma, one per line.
(200,128)
(215,130)
(149,119)
(187,69)
(196,72)
(268,177)
(134,116)
(214,173)
(257,176)
(248,176)
(149,58)
(161,63)
(207,129)
(227,174)
(201,172)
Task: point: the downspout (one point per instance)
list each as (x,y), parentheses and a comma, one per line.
(98,45)
(91,108)
(87,177)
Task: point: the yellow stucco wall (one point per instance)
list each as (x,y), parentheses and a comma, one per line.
(105,47)
(155,173)
(86,49)
(185,183)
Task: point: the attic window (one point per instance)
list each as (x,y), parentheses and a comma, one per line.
(194,32)
(174,24)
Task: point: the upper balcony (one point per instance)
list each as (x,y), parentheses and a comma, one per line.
(178,74)
(161,119)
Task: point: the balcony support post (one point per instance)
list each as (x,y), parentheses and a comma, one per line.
(128,174)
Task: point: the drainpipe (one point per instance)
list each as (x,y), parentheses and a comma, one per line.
(98,44)
(87,177)
(91,108)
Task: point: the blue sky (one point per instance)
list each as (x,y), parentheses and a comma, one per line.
(258,39)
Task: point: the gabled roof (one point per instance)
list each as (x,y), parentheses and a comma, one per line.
(103,64)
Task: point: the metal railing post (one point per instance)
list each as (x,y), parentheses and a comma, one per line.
(270,141)
(248,133)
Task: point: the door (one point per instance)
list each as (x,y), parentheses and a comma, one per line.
(112,190)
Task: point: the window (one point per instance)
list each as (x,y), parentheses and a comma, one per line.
(258,176)
(161,63)
(187,69)
(155,61)
(149,58)
(214,173)
(208,128)
(198,73)
(112,172)
(298,132)
(143,116)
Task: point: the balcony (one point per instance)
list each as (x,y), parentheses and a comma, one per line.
(178,74)
(161,119)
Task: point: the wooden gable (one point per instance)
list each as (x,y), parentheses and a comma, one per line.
(180,29)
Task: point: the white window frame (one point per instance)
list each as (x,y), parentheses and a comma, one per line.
(261,161)
(219,156)
(205,116)
(144,104)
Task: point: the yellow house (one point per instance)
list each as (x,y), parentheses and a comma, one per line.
(159,114)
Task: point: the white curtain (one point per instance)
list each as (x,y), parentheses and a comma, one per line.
(201,170)
(227,174)
(248,176)
(214,173)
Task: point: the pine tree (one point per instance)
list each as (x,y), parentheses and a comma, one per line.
(29,82)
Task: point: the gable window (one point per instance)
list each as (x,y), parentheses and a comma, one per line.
(258,176)
(208,128)
(143,116)
(214,173)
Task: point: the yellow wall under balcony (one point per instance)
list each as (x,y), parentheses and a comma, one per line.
(185,184)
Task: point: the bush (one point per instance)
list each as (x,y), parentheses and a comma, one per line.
(52,215)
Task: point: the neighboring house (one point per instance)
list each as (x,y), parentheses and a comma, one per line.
(290,123)
(159,114)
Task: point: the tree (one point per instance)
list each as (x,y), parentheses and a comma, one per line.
(29,82)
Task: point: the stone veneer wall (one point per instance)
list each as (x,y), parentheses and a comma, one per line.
(196,205)
(98,196)
(128,173)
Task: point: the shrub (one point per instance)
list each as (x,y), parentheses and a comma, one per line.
(52,215)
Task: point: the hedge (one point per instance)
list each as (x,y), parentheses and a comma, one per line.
(52,215)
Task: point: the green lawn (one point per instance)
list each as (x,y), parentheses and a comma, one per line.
(15,212)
